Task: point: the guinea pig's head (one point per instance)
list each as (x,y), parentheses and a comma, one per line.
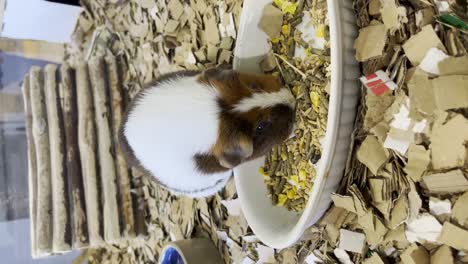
(256,113)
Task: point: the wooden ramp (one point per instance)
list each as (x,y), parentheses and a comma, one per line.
(79,183)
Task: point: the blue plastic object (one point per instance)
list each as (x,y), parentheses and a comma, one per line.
(172,256)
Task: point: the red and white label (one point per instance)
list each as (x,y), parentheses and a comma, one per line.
(378,82)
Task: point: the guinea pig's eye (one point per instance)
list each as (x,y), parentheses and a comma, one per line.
(262,126)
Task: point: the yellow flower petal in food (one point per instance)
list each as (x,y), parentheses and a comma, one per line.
(288,7)
(315,98)
(282,199)
(295,179)
(302,175)
(275,40)
(296,90)
(284,156)
(285,29)
(278,3)
(291,193)
(261,170)
(320,31)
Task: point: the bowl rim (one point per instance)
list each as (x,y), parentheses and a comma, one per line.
(329,144)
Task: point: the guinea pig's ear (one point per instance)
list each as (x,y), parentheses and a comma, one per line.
(234,151)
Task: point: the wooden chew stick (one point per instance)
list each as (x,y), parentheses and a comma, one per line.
(41,142)
(32,165)
(61,237)
(114,73)
(135,180)
(135,174)
(107,167)
(75,184)
(138,204)
(88,147)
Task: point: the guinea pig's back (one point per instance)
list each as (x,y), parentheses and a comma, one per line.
(168,124)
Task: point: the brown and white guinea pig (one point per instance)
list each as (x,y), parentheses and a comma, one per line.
(188,129)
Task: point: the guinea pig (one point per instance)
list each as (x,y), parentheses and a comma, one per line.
(188,129)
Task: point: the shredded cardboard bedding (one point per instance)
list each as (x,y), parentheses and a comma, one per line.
(290,168)
(408,157)
(406,168)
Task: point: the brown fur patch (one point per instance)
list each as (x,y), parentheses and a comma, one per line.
(234,86)
(237,139)
(234,142)
(259,83)
(208,163)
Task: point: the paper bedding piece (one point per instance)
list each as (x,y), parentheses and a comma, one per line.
(370,42)
(424,227)
(342,256)
(430,62)
(451,92)
(449,182)
(417,46)
(440,207)
(415,254)
(454,236)
(372,154)
(460,210)
(447,145)
(271,21)
(352,241)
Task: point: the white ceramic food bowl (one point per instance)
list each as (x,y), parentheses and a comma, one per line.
(275,226)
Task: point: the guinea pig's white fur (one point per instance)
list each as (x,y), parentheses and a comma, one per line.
(168,125)
(173,121)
